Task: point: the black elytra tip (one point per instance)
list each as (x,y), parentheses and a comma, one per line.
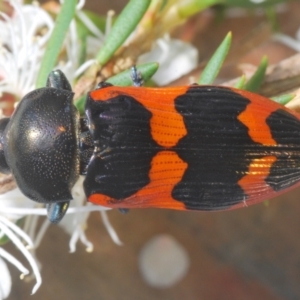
(56,211)
(58,80)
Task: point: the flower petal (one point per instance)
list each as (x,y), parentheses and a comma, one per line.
(14,199)
(5,280)
(176,58)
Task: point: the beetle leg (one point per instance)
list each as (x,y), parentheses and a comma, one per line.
(56,211)
(58,80)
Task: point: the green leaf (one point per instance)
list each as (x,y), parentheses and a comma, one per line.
(241,82)
(83,33)
(55,42)
(257,79)
(98,20)
(272,17)
(5,239)
(124,78)
(214,65)
(122,28)
(80,104)
(283,99)
(189,8)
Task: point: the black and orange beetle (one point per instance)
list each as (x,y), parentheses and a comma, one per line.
(187,148)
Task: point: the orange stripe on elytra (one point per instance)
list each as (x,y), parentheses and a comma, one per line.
(166,171)
(255,115)
(253,183)
(167,125)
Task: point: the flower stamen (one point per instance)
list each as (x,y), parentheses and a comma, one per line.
(110,229)
(13,237)
(11,259)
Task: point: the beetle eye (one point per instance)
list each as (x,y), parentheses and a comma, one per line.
(4,168)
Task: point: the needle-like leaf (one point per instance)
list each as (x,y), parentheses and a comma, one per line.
(62,24)
(214,65)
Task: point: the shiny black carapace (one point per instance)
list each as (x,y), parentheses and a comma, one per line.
(39,145)
(187,148)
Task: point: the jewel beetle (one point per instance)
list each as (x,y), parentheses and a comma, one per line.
(187,148)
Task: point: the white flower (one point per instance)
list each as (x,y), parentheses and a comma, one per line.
(175,57)
(23,40)
(21,49)
(5,279)
(75,223)
(14,198)
(17,235)
(16,205)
